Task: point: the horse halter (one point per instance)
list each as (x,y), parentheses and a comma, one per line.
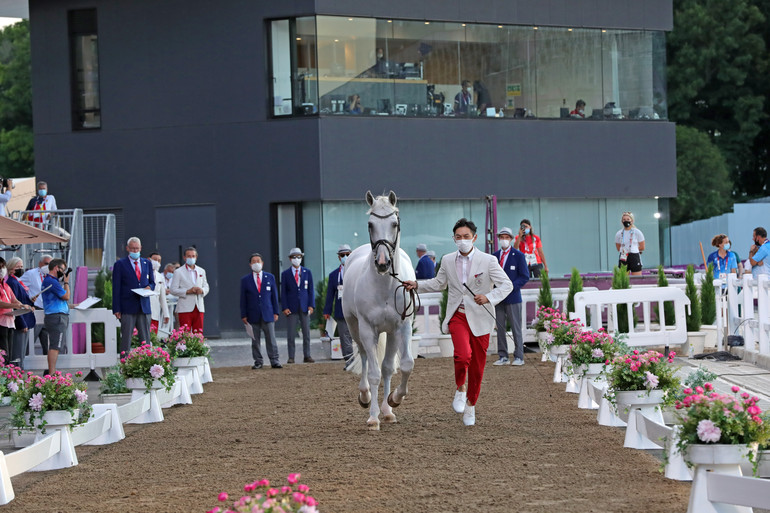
(390,245)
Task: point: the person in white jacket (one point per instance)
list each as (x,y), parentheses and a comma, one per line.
(189,284)
(158,303)
(476,283)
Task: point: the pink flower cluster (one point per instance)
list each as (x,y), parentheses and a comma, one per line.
(156,371)
(145,351)
(636,361)
(269,499)
(708,431)
(730,406)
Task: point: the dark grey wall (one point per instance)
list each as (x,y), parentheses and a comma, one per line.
(184,122)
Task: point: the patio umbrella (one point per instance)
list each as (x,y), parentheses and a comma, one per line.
(13,233)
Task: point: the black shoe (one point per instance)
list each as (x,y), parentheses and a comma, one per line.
(420,356)
(277,366)
(256,366)
(290,360)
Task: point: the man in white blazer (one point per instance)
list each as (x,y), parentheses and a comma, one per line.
(476,284)
(190,286)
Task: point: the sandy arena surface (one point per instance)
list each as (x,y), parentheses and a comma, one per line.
(532,450)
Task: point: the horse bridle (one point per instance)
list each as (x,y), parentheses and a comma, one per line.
(413,304)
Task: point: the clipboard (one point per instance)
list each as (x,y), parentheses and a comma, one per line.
(249,331)
(145,292)
(87,303)
(20,311)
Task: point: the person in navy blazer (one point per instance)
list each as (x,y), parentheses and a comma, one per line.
(131,309)
(259,309)
(297,303)
(514,263)
(333,306)
(426,267)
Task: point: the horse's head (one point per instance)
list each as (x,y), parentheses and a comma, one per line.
(384,230)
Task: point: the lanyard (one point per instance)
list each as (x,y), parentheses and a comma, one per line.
(630,238)
(4,288)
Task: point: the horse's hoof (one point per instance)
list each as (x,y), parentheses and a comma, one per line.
(389,419)
(364,404)
(391,402)
(373,425)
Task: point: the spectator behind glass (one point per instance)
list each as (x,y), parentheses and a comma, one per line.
(530,244)
(580,110)
(354,104)
(464,98)
(5,196)
(483,98)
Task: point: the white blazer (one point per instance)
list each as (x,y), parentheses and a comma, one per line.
(158,304)
(181,283)
(484,277)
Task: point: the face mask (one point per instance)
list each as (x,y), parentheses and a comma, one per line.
(464,245)
(379,56)
(469,89)
(42,192)
(296,261)
(134,256)
(18,273)
(504,243)
(526,231)
(169,275)
(581,111)
(256,267)
(626,223)
(60,274)
(190,261)
(343,259)
(3,273)
(727,246)
(155,265)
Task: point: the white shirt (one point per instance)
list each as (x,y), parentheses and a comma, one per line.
(463,264)
(33,279)
(629,239)
(192,272)
(4,199)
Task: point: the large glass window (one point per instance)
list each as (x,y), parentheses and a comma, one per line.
(384,67)
(86,107)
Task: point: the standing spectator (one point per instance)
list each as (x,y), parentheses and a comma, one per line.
(464,98)
(515,266)
(530,244)
(43,202)
(426,268)
(474,280)
(483,98)
(333,306)
(432,255)
(23,322)
(190,286)
(159,316)
(55,302)
(629,241)
(5,196)
(758,253)
(33,279)
(723,260)
(259,308)
(131,309)
(8,302)
(297,302)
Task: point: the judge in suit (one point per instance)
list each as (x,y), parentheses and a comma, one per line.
(259,308)
(514,263)
(333,306)
(131,309)
(426,268)
(475,281)
(297,303)
(189,284)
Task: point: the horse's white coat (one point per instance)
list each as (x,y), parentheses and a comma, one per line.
(372,307)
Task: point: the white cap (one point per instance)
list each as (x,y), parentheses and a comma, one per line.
(505,231)
(296,251)
(344,248)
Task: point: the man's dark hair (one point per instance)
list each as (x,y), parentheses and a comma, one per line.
(761,232)
(56,262)
(464,222)
(580,103)
(191,248)
(153,254)
(255,255)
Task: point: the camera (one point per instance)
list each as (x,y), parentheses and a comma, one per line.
(5,185)
(69,270)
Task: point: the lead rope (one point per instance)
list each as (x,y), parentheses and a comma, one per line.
(412,305)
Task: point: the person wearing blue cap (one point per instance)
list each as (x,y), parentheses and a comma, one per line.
(426,268)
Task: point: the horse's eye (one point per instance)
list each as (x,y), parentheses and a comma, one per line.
(394,224)
(371,226)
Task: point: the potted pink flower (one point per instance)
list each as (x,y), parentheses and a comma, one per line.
(55,400)
(290,498)
(147,367)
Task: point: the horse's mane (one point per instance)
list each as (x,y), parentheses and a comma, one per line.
(382,202)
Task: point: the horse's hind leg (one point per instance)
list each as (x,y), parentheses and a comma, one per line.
(388,368)
(404,339)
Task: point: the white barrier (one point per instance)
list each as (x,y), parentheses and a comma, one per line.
(528,296)
(89,359)
(610,299)
(664,437)
(742,314)
(727,489)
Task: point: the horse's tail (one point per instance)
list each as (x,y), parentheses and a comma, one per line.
(356,367)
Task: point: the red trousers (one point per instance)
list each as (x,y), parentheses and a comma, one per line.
(154,324)
(470,355)
(192,319)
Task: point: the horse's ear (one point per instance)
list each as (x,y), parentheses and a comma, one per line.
(369,198)
(392,198)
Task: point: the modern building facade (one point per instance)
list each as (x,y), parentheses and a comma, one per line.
(242,127)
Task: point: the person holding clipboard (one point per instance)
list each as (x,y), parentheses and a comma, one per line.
(8,303)
(130,308)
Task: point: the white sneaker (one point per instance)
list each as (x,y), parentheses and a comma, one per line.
(502,361)
(469,415)
(458,404)
(517,361)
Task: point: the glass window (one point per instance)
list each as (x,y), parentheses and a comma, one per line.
(86,109)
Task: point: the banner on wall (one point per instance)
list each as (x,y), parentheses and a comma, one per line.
(511,91)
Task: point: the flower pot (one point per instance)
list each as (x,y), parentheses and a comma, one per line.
(445,345)
(712,336)
(138,384)
(639,402)
(719,458)
(188,362)
(560,352)
(696,341)
(56,418)
(23,437)
(638,397)
(541,342)
(589,373)
(119,399)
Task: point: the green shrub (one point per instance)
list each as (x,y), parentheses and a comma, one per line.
(545,298)
(694,317)
(668,306)
(708,297)
(620,280)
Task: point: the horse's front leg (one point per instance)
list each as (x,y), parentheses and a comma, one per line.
(388,368)
(404,341)
(371,372)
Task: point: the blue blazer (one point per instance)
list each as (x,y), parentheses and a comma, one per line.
(426,269)
(333,304)
(297,298)
(258,306)
(124,279)
(515,266)
(28,319)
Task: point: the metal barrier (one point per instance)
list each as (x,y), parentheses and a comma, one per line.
(88,359)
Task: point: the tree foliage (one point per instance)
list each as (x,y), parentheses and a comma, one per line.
(544,298)
(704,185)
(16,138)
(694,315)
(708,298)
